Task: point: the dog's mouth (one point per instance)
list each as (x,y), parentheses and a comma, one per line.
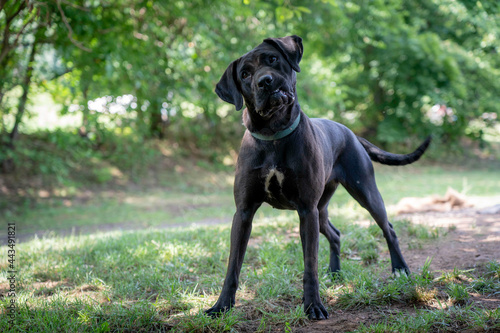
(274,100)
(280,93)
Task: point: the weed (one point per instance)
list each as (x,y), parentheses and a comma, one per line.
(458,294)
(457,275)
(422,232)
(493,268)
(375,231)
(203,323)
(485,286)
(421,294)
(369,256)
(281,318)
(426,274)
(414,245)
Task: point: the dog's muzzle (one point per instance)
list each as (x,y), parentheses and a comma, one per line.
(271,95)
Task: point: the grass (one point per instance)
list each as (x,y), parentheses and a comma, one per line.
(208,196)
(141,209)
(155,280)
(151,280)
(417,181)
(453,320)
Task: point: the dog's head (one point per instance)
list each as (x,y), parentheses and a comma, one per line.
(264,78)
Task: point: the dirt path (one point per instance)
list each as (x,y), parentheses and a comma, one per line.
(472,239)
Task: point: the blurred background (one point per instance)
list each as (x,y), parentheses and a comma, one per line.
(97,94)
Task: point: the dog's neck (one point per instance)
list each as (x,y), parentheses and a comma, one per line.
(277,126)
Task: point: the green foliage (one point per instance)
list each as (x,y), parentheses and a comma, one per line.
(422,232)
(403,57)
(391,70)
(62,157)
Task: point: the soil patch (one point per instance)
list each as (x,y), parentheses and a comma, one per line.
(473,239)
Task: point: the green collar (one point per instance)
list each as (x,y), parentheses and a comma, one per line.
(280,134)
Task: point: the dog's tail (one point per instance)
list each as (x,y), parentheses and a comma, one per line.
(378,155)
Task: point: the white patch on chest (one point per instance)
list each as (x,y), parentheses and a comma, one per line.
(274,173)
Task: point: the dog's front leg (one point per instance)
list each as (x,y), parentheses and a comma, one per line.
(309,235)
(240,233)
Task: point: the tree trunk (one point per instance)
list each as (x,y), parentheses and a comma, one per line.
(7,162)
(22,102)
(155,120)
(84,129)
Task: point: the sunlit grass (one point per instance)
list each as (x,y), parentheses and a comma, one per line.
(162,280)
(209,198)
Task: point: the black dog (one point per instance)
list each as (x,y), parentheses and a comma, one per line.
(293,162)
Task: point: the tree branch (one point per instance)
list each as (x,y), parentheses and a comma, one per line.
(6,47)
(5,44)
(75,6)
(10,18)
(66,71)
(2,4)
(70,30)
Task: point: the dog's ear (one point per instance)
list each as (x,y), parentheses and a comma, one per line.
(290,47)
(227,87)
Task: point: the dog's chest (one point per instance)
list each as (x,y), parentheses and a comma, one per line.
(273,180)
(279,187)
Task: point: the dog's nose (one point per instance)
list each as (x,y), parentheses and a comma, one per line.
(265,81)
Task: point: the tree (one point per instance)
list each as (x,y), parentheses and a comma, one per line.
(23,25)
(393,60)
(381,67)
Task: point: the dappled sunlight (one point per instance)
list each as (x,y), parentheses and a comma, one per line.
(266,215)
(468,220)
(349,211)
(491,239)
(440,304)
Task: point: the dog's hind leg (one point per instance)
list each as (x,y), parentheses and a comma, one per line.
(360,183)
(331,233)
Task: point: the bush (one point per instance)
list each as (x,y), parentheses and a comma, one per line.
(63,157)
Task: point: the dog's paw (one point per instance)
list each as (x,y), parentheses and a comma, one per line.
(316,311)
(404,271)
(223,305)
(334,270)
(217,311)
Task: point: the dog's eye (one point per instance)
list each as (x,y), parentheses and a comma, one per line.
(244,75)
(273,59)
